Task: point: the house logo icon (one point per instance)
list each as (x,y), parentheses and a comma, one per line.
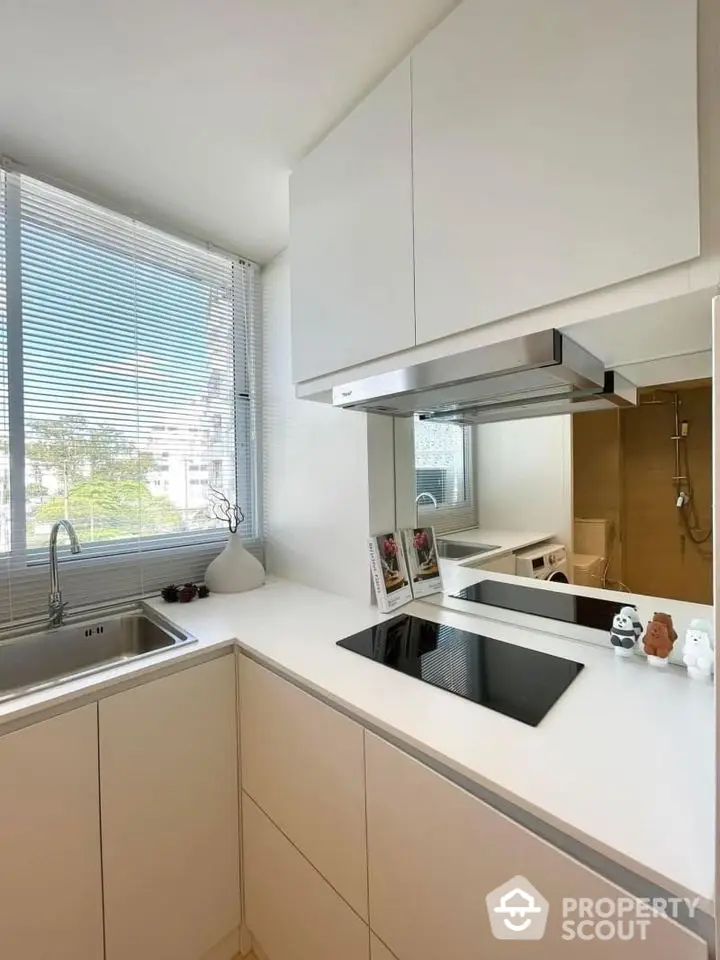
(517,911)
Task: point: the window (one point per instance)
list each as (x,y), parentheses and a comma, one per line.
(444,471)
(126,362)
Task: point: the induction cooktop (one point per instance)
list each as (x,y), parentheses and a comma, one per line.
(520,683)
(553,604)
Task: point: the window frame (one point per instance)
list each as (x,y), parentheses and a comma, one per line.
(32,561)
(463,515)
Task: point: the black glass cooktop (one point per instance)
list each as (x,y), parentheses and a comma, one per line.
(521,683)
(566,607)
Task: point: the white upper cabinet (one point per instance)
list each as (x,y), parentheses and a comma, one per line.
(50,881)
(170,815)
(351,248)
(555,152)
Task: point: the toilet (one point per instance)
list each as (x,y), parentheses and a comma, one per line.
(588,569)
(591,550)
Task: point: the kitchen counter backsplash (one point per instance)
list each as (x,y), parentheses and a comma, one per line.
(683,614)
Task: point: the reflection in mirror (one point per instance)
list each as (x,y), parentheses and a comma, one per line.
(625,494)
(444,481)
(642,491)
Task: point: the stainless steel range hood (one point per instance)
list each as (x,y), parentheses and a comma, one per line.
(533,376)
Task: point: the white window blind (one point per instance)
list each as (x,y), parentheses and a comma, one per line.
(130,390)
(444,473)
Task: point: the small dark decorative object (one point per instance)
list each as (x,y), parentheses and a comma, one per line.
(203,591)
(187,593)
(222,509)
(170,593)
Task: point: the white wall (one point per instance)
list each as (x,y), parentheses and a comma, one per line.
(319,463)
(524,476)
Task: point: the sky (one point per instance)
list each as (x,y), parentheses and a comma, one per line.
(103,332)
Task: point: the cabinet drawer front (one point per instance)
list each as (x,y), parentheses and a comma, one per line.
(291,910)
(446,851)
(50,880)
(170,814)
(303,764)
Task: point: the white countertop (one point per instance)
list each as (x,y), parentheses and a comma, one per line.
(506,541)
(624,762)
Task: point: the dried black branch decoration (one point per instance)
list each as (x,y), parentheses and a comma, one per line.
(222,509)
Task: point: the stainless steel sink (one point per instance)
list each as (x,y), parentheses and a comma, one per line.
(458,551)
(46,657)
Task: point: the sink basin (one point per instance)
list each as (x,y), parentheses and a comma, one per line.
(458,551)
(42,659)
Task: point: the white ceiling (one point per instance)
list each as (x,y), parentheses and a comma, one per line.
(192,112)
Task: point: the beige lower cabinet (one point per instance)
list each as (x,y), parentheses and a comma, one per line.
(50,879)
(303,764)
(170,815)
(292,911)
(435,852)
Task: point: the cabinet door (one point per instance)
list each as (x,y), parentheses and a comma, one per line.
(351,247)
(50,880)
(554,153)
(446,851)
(292,912)
(303,764)
(170,815)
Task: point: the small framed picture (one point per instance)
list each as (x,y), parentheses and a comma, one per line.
(422,559)
(389,571)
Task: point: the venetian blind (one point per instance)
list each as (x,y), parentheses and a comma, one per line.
(444,475)
(132,393)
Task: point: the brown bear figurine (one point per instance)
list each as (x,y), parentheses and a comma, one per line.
(659,637)
(667,620)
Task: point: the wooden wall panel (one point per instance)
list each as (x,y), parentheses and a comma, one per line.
(660,558)
(597,465)
(623,465)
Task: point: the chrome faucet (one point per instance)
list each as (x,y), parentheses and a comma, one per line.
(56,607)
(418,498)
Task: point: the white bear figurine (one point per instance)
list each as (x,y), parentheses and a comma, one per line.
(626,628)
(699,650)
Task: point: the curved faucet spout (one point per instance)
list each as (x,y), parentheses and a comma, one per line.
(56,607)
(418,498)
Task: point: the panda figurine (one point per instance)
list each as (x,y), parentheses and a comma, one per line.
(626,630)
(699,651)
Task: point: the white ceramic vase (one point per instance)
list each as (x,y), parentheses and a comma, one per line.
(234,570)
